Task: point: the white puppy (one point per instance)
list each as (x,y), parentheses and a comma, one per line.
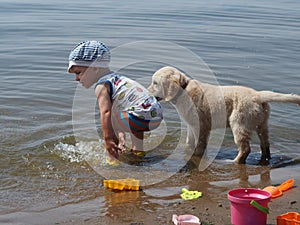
(200,105)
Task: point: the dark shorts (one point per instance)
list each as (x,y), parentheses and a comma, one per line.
(129,122)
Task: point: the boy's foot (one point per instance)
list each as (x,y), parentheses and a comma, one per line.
(127,150)
(111,162)
(139,153)
(135,152)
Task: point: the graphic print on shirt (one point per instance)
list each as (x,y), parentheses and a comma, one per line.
(154,113)
(116,81)
(128,84)
(121,95)
(132,97)
(147,103)
(139,89)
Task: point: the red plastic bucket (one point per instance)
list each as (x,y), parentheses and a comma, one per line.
(242,212)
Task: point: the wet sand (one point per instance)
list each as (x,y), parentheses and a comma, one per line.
(136,208)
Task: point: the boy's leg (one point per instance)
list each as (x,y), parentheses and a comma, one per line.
(126,122)
(137,138)
(122,142)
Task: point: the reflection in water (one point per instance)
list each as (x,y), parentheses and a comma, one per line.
(262,174)
(121,204)
(115,198)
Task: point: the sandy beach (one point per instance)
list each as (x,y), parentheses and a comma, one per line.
(213,210)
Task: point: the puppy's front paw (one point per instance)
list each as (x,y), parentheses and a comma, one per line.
(240,161)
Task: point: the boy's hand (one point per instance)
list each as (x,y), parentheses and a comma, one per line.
(112,147)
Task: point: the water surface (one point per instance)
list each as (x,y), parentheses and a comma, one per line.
(254,44)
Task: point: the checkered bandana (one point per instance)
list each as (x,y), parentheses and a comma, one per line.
(89,53)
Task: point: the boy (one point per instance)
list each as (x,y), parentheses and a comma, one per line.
(125,105)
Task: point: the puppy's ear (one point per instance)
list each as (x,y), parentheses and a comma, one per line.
(173,85)
(183,80)
(180,78)
(172,91)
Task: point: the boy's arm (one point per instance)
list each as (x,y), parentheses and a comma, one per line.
(105,105)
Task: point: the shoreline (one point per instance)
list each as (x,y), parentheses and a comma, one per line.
(210,211)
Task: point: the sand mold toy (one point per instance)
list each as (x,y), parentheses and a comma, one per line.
(290,218)
(185,220)
(190,195)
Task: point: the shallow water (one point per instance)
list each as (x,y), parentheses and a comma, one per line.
(45,164)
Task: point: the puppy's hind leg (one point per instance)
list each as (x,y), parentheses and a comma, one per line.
(242,139)
(263,134)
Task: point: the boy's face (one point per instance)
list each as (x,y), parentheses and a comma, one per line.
(85,75)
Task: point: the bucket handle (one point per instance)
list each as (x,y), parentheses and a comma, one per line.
(259,207)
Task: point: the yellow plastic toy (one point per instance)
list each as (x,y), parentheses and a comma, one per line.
(190,195)
(128,184)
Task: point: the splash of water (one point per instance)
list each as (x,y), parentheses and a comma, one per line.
(81,151)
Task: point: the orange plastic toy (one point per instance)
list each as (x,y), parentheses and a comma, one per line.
(129,184)
(290,218)
(274,191)
(286,185)
(277,191)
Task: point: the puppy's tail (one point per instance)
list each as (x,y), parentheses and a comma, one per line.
(269,96)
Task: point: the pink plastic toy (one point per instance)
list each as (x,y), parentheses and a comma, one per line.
(186,220)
